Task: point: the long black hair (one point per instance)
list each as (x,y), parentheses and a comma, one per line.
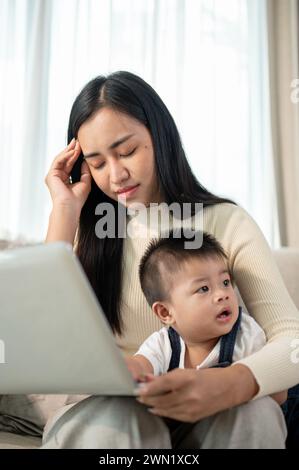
(127,93)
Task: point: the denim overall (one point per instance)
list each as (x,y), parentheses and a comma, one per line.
(290,408)
(227,345)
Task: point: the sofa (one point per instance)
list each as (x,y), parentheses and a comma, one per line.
(38,406)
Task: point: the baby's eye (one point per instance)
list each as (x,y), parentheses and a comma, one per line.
(226,282)
(203,289)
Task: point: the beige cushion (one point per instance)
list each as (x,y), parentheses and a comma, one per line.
(9,440)
(29,413)
(287,260)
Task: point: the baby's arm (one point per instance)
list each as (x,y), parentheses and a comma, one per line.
(152,358)
(139,366)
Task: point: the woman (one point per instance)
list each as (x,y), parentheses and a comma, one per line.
(128,150)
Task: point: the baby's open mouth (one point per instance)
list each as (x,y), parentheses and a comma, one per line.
(224,314)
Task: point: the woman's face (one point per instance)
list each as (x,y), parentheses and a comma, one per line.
(119,152)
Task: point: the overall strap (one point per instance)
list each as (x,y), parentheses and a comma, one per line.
(227,344)
(175,343)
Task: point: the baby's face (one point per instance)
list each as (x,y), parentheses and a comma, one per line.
(203,302)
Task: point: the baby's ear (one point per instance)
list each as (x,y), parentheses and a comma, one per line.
(162,311)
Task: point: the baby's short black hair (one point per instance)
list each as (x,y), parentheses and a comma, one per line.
(164,257)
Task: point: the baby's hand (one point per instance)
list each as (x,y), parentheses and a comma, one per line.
(148,378)
(139,371)
(135,368)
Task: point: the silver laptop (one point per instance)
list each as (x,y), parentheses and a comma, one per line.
(54,336)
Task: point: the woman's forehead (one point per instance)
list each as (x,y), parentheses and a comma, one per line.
(107,126)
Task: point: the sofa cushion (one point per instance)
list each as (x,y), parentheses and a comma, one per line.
(9,440)
(29,413)
(287,260)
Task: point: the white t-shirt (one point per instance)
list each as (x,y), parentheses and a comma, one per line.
(157,348)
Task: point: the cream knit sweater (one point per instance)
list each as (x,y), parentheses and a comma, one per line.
(258,280)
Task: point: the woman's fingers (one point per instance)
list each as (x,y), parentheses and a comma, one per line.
(168,400)
(69,154)
(74,150)
(58,178)
(178,405)
(63,163)
(85,173)
(72,143)
(71,159)
(166,383)
(82,188)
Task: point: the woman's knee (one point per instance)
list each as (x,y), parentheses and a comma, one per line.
(263,421)
(257,424)
(105,422)
(264,412)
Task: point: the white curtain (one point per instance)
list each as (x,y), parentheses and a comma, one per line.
(206,58)
(283,31)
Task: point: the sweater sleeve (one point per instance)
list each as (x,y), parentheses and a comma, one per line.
(275,366)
